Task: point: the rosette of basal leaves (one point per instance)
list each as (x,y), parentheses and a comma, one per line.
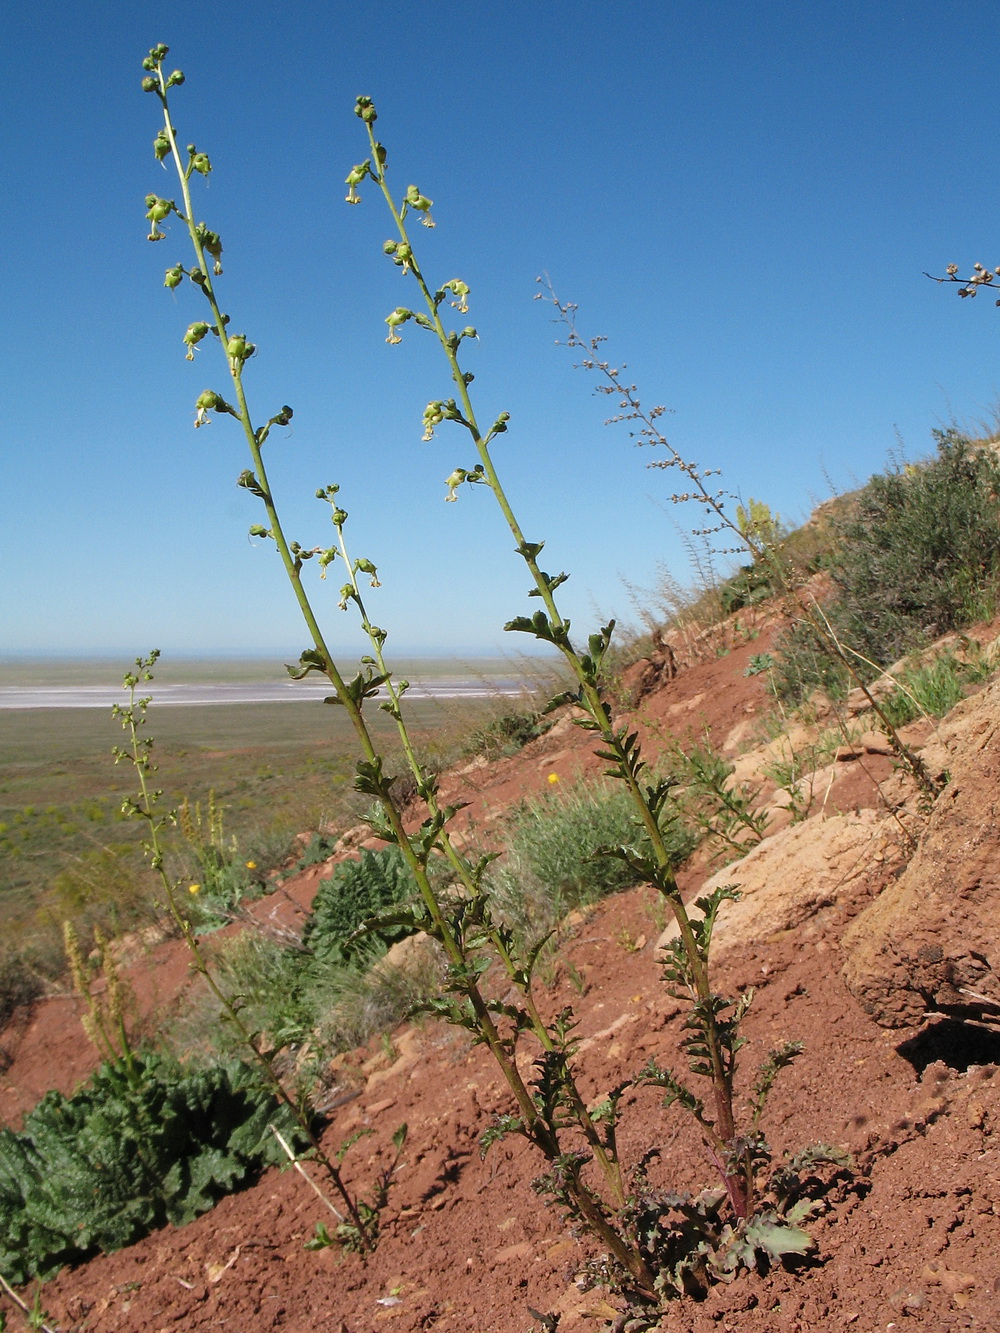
(355,893)
(127,1154)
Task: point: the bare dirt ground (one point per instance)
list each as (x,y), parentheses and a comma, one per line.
(910,1240)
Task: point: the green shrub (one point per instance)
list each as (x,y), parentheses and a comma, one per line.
(355,892)
(507,734)
(918,556)
(921,556)
(98,1170)
(806,662)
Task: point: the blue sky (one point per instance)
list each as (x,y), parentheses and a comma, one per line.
(741,196)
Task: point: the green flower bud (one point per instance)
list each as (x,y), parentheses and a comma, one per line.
(194,336)
(156,210)
(212,244)
(236,349)
(390,247)
(209,401)
(399,316)
(161,146)
(257,530)
(149,85)
(157,52)
(176,78)
(469,332)
(339,517)
(174,276)
(453,482)
(364,566)
(460,290)
(149,63)
(364,107)
(201,164)
(414,199)
(433,416)
(354,178)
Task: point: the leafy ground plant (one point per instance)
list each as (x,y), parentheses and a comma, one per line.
(143,1143)
(724,812)
(583,1170)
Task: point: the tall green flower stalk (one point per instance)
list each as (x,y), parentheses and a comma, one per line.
(751,528)
(619,746)
(464,925)
(579,1142)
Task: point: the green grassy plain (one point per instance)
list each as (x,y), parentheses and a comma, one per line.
(271,766)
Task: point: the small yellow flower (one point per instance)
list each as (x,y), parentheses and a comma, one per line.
(251,865)
(553,778)
(194,888)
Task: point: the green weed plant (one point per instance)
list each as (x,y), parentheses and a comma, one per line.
(583,1170)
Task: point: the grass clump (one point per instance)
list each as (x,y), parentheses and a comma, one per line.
(556,859)
(934,688)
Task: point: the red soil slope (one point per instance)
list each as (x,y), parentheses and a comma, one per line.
(911,1241)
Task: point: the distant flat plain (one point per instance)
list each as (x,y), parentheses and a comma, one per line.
(286,763)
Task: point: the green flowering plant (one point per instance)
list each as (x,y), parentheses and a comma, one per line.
(579,1142)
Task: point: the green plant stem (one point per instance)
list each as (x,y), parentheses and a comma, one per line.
(607,1162)
(30,1317)
(590,694)
(254,441)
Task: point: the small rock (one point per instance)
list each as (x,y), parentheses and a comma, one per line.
(377,1108)
(950,1280)
(908,1298)
(519,1251)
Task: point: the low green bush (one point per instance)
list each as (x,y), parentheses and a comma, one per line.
(921,555)
(127,1154)
(507,734)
